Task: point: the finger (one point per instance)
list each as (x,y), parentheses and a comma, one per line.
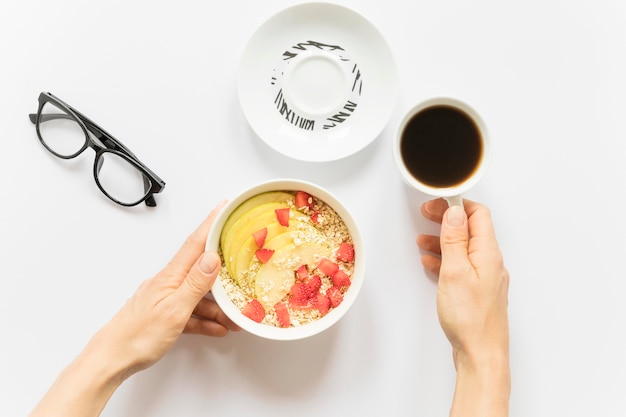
(194,245)
(209,310)
(479,218)
(205,327)
(454,241)
(429,243)
(483,248)
(198,281)
(431,263)
(434,209)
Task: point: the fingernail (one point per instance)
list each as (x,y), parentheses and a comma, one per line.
(431,206)
(427,206)
(455,217)
(209,262)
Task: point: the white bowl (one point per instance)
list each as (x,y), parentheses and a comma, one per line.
(305,330)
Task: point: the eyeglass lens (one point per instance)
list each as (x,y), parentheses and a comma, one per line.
(120,179)
(59,131)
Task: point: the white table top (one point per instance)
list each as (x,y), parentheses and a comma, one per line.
(547,76)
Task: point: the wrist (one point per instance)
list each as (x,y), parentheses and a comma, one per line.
(483,383)
(109,356)
(83,388)
(106,367)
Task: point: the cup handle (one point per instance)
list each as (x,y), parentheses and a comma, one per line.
(455,200)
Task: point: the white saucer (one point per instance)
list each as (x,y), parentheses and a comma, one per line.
(317,82)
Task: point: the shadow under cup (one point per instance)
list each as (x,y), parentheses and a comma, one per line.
(442,148)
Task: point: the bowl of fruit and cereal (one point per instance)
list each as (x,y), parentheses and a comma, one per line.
(292,257)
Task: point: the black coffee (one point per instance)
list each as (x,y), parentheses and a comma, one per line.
(441,146)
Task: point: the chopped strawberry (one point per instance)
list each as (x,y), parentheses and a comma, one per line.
(316,218)
(314,283)
(321,302)
(345,253)
(302,273)
(304,200)
(282,215)
(298,304)
(341,280)
(335,296)
(254,310)
(282,315)
(264,255)
(328,267)
(300,295)
(259,237)
(300,291)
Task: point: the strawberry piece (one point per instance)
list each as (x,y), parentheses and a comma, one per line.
(300,296)
(316,218)
(254,310)
(345,253)
(259,237)
(300,292)
(314,284)
(264,255)
(328,267)
(341,280)
(282,215)
(282,315)
(297,304)
(302,273)
(335,296)
(321,302)
(304,200)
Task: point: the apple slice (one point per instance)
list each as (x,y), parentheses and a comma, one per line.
(240,261)
(246,217)
(252,202)
(274,280)
(277,237)
(255,219)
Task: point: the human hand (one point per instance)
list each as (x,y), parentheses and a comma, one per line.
(147,326)
(169,304)
(472,299)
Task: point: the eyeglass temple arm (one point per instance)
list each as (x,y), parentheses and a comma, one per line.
(150,201)
(48,117)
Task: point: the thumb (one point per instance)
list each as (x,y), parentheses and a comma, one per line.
(200,279)
(454,239)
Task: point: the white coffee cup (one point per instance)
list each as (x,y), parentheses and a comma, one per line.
(442,148)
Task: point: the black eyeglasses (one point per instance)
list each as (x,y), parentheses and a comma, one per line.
(120,175)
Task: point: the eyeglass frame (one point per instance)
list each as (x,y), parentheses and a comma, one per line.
(111,145)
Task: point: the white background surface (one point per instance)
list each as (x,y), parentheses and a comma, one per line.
(547,76)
